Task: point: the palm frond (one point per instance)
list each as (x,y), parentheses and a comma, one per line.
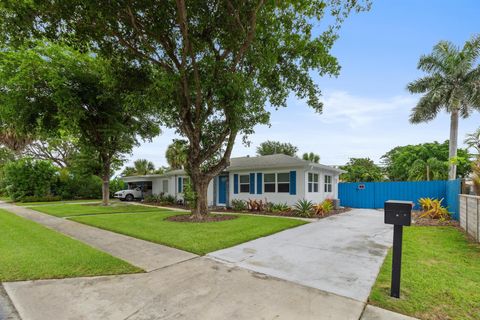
(424,84)
(427,108)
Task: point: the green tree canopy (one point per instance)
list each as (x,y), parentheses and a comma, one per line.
(452,84)
(216,64)
(312,157)
(361,170)
(410,162)
(274,147)
(51,88)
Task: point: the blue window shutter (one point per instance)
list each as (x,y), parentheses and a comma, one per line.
(180,187)
(293,182)
(259,183)
(235,183)
(252,183)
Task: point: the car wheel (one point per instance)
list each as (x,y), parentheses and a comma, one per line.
(129,197)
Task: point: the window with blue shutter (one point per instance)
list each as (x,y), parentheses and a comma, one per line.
(252,183)
(180,187)
(235,183)
(259,183)
(293,182)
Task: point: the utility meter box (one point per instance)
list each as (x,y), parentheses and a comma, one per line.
(398,212)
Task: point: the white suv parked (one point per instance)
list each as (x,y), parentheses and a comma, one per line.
(129,195)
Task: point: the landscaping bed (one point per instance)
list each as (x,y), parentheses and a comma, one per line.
(440,275)
(418,221)
(30,251)
(195,237)
(290,213)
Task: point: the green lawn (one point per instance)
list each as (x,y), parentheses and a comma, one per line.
(440,276)
(60,202)
(30,251)
(199,238)
(66,210)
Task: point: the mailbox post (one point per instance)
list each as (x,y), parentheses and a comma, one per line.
(398,213)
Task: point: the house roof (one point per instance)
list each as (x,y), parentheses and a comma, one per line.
(274,161)
(258,162)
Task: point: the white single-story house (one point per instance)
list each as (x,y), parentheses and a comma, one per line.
(275,178)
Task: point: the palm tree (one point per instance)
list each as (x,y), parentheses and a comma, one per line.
(452,84)
(312,157)
(143,167)
(176,154)
(140,167)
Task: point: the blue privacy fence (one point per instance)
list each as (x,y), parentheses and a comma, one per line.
(373,194)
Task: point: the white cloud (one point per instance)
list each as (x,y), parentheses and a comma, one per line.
(355,111)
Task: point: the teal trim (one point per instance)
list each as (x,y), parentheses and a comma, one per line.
(252,183)
(235,183)
(259,183)
(180,187)
(293,182)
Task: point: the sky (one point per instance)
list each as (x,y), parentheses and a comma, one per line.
(366,108)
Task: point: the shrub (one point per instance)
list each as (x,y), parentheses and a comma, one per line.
(239,205)
(28,177)
(77,186)
(433,209)
(324,207)
(303,208)
(168,199)
(280,207)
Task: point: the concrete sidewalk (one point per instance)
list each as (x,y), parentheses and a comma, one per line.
(196,289)
(146,255)
(341,254)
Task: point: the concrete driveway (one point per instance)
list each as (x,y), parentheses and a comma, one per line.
(341,254)
(197,289)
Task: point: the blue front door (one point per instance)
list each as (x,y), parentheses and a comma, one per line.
(222,190)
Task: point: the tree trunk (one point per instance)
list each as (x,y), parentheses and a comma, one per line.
(428,173)
(200,186)
(452,174)
(105,190)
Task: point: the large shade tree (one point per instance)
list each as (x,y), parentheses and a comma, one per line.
(216,63)
(49,89)
(361,170)
(424,161)
(270,147)
(452,84)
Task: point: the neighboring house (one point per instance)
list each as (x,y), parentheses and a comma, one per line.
(275,178)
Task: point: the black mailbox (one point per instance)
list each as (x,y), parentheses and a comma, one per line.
(398,212)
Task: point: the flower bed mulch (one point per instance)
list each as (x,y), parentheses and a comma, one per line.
(267,213)
(283,213)
(416,220)
(209,218)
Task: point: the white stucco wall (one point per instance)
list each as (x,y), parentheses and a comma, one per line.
(321,195)
(277,197)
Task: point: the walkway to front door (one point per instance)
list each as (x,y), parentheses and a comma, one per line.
(341,254)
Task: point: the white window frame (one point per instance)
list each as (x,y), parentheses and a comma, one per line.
(274,183)
(240,183)
(283,182)
(312,185)
(165,183)
(328,188)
